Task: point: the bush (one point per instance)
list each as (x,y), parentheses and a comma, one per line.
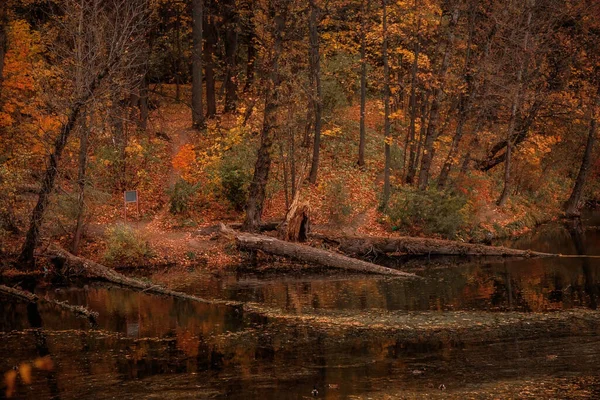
(337,197)
(235,175)
(180,196)
(125,246)
(434,211)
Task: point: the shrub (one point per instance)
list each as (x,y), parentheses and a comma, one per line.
(125,246)
(440,212)
(337,197)
(235,175)
(180,196)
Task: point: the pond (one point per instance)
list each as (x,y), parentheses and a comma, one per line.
(444,336)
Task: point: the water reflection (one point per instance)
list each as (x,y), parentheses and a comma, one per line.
(148,346)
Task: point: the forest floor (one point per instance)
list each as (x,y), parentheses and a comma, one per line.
(344,201)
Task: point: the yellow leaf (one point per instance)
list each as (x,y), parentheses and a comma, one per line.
(44,363)
(25,372)
(10,379)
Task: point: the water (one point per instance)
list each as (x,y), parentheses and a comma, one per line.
(146,346)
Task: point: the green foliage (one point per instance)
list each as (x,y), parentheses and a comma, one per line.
(180,196)
(440,212)
(125,246)
(235,175)
(338,201)
(339,82)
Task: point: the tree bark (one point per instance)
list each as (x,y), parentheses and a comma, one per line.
(521,132)
(197,101)
(410,137)
(386,124)
(312,255)
(516,105)
(434,112)
(315,70)
(464,106)
(257,192)
(363,80)
(3,39)
(573,204)
(81,182)
(209,50)
(372,245)
(144,106)
(231,48)
(251,60)
(71,265)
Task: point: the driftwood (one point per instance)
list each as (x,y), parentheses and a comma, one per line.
(365,246)
(77,266)
(28,297)
(310,254)
(263,227)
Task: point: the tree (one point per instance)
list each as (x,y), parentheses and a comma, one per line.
(434,110)
(316,95)
(197,103)
(112,33)
(209,65)
(276,14)
(573,204)
(386,121)
(410,137)
(3,37)
(363,79)
(231,18)
(516,104)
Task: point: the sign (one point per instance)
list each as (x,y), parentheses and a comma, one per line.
(131,196)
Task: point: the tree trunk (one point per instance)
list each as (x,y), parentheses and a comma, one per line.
(363,80)
(3,39)
(410,137)
(209,50)
(231,49)
(464,107)
(315,67)
(81,181)
(179,55)
(312,255)
(573,205)
(251,60)
(386,124)
(71,265)
(296,226)
(144,106)
(197,102)
(256,195)
(520,133)
(516,105)
(372,245)
(434,112)
(26,258)
(423,128)
(505,190)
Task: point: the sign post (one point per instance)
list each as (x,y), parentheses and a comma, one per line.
(131,196)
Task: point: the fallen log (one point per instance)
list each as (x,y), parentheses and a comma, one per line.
(366,245)
(310,254)
(73,265)
(28,297)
